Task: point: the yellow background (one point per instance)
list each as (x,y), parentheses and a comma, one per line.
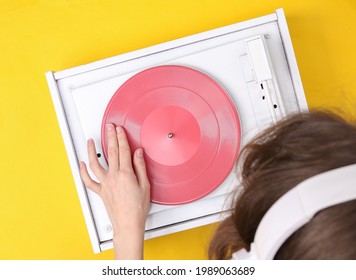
(40,215)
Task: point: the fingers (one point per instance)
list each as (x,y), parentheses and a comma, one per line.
(124,149)
(88,182)
(94,164)
(140,169)
(113,148)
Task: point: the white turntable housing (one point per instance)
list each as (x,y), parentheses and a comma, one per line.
(253,60)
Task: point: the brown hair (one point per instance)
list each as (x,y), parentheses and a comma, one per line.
(284,155)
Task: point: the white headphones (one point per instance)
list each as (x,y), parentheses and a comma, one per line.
(297,207)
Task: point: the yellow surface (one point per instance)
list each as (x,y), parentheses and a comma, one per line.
(40,213)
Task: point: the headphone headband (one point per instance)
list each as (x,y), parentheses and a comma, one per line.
(297,207)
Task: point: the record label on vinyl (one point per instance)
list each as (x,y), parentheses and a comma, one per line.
(187,125)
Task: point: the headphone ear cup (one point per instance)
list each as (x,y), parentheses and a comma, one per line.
(298,206)
(243,254)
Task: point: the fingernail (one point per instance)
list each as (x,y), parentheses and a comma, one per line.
(109,127)
(139,153)
(118,129)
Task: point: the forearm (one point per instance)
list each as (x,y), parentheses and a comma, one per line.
(129,245)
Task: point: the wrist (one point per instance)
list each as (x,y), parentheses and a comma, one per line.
(128,244)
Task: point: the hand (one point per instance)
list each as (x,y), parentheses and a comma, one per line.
(124,189)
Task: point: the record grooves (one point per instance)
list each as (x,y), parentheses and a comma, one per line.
(187,125)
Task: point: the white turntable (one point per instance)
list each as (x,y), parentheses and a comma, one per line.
(253,61)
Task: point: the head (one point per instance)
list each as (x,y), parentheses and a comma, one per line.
(297,148)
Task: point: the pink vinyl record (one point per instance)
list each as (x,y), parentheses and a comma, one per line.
(187,125)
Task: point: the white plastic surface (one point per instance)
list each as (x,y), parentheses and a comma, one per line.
(258,59)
